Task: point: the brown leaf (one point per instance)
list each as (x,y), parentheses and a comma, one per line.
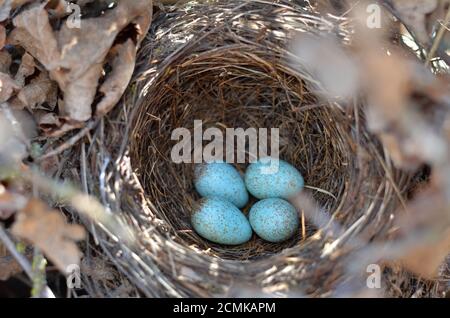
(81,61)
(50,165)
(47,229)
(123,63)
(8,87)
(426,259)
(5,9)
(54,126)
(26,68)
(34,33)
(75,57)
(7,5)
(8,267)
(16,129)
(40,90)
(80,93)
(425,229)
(2,36)
(10,203)
(78,54)
(5,61)
(413,13)
(58,8)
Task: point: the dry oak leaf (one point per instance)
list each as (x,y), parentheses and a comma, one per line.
(26,68)
(34,33)
(48,230)
(75,56)
(40,90)
(8,87)
(123,63)
(83,53)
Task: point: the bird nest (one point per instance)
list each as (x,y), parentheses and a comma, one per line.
(226,64)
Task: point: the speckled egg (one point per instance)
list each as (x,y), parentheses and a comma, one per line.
(274,220)
(273,178)
(221,222)
(221,180)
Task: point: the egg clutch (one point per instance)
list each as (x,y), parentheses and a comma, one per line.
(224,192)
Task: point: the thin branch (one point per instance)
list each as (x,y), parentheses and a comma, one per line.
(23,262)
(438,39)
(70,142)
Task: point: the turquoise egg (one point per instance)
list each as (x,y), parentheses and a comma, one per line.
(273,178)
(274,220)
(221,222)
(221,180)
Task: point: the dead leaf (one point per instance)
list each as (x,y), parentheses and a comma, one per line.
(97,268)
(10,203)
(19,3)
(40,90)
(75,57)
(58,9)
(54,126)
(2,36)
(80,93)
(50,165)
(8,267)
(16,129)
(81,62)
(26,68)
(8,264)
(5,61)
(34,33)
(7,5)
(122,63)
(48,230)
(5,9)
(78,54)
(426,259)
(8,87)
(327,60)
(426,230)
(413,13)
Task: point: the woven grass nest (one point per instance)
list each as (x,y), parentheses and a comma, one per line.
(225,64)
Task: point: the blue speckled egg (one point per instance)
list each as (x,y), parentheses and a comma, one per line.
(273,178)
(221,222)
(274,220)
(221,180)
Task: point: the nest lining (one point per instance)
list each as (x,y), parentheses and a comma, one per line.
(226,64)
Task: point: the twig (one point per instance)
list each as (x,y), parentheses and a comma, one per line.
(69,143)
(321,191)
(23,262)
(438,39)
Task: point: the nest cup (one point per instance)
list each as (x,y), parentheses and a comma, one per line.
(226,64)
